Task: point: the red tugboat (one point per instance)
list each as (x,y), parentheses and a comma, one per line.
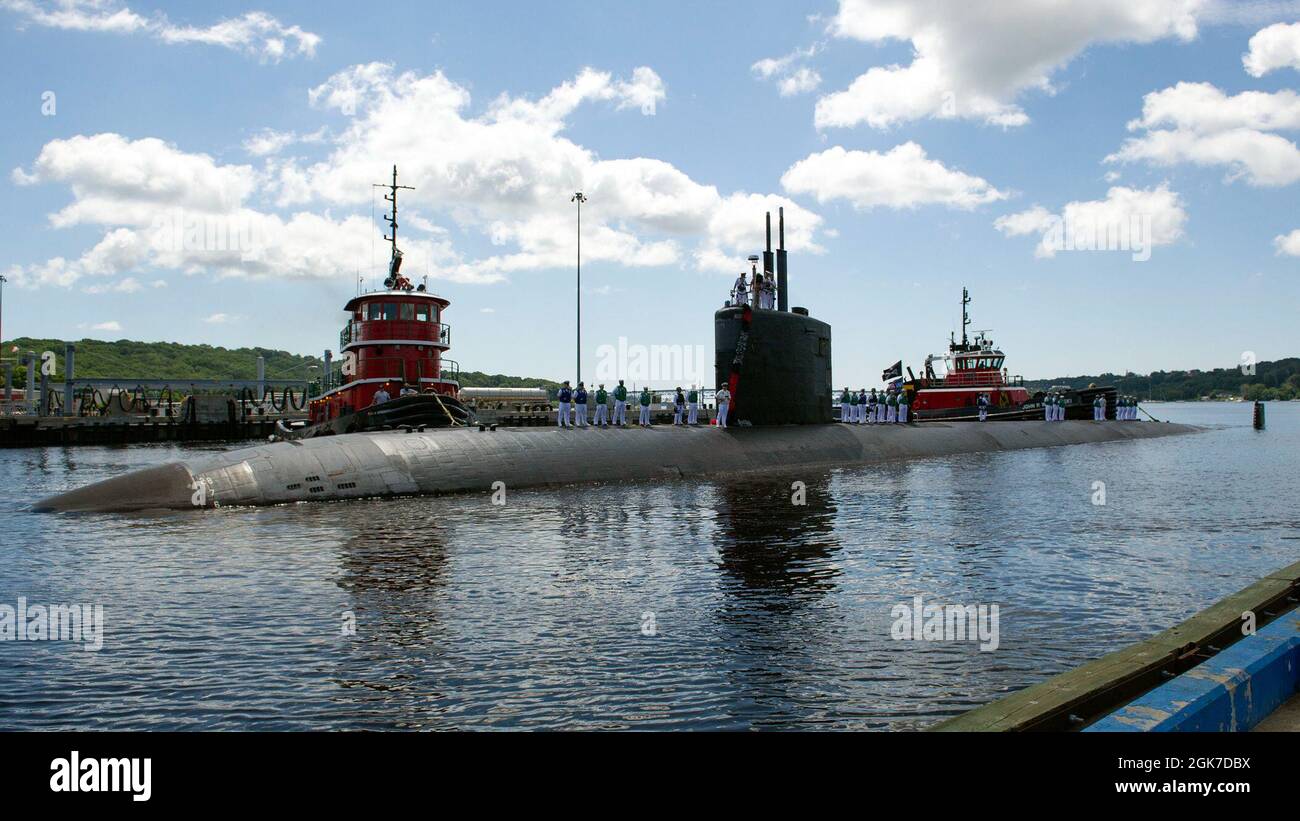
(972,368)
(393,342)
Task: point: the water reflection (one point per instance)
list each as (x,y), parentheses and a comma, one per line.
(773,552)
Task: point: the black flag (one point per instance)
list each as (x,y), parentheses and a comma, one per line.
(892,372)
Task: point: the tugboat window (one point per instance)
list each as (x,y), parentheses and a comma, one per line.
(375,312)
(408,311)
(390,310)
(422,313)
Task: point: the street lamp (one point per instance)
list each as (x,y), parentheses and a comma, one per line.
(3,280)
(579,199)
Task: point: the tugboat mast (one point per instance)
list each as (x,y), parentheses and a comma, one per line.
(395,260)
(965,317)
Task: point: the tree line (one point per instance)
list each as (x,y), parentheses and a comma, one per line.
(1279,380)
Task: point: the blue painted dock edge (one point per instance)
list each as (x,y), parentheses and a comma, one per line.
(1231,692)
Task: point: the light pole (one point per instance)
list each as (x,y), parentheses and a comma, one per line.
(579,199)
(3,280)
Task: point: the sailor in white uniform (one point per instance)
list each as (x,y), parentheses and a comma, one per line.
(902,407)
(565,394)
(769,294)
(620,405)
(740,291)
(602,407)
(693,406)
(580,405)
(723,397)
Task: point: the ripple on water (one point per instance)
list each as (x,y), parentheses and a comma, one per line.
(691,604)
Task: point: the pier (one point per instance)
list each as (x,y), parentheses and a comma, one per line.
(124,410)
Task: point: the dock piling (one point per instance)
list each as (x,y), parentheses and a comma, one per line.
(69,354)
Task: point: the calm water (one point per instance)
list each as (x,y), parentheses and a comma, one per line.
(766,615)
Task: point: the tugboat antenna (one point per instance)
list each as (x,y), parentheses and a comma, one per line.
(391,219)
(965,317)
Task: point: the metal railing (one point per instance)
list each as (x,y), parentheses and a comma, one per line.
(365,330)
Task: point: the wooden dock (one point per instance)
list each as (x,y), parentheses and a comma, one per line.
(42,431)
(1074,699)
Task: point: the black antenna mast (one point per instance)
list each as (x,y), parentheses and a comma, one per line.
(395,260)
(965,318)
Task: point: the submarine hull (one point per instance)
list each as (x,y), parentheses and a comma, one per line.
(460,460)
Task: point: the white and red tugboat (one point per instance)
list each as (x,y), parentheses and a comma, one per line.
(976,368)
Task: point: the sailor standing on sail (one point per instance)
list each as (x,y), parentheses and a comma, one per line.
(645,407)
(768,294)
(620,405)
(565,394)
(602,407)
(693,406)
(679,407)
(580,405)
(740,291)
(723,397)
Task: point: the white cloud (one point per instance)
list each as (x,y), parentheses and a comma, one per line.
(269,141)
(800,82)
(1150,217)
(255,33)
(791,77)
(111,325)
(218,319)
(903,177)
(507,174)
(78,15)
(128,285)
(973,60)
(1288,244)
(1272,48)
(1197,123)
(510,172)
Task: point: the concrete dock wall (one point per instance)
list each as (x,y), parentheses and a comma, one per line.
(466,459)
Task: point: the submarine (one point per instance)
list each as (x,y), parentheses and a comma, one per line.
(774,358)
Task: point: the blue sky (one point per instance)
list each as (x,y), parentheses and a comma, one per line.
(918,147)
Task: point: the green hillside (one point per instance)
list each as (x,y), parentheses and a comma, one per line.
(1271,380)
(127,359)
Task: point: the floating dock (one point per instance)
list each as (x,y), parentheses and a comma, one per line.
(457,460)
(39,431)
(1202,675)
